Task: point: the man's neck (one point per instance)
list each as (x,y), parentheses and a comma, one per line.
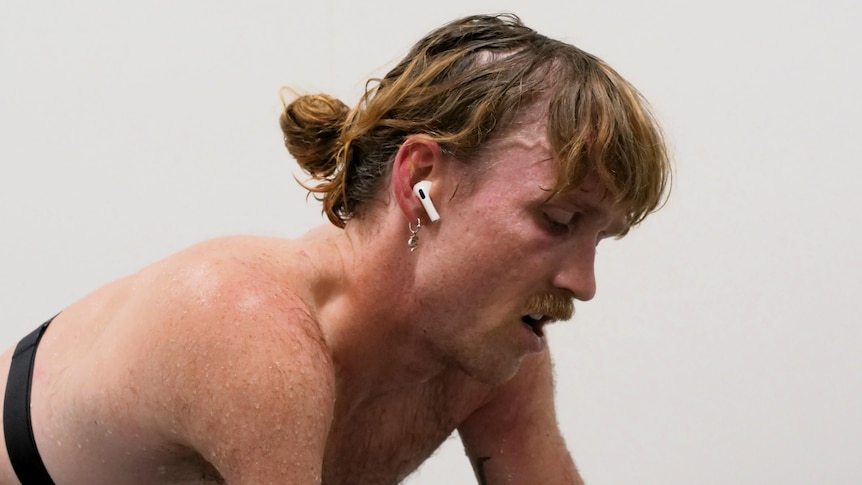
(365,305)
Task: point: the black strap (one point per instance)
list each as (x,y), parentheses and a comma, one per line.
(17,427)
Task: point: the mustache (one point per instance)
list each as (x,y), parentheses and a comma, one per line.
(556,306)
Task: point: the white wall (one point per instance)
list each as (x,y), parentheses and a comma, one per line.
(724,344)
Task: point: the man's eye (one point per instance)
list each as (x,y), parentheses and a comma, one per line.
(558,220)
(555,226)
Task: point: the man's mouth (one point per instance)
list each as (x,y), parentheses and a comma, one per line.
(535,321)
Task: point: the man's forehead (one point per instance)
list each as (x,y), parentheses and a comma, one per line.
(527,137)
(527,130)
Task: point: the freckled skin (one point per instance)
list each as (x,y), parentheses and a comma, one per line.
(337,358)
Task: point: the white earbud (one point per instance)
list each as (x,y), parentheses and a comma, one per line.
(422,189)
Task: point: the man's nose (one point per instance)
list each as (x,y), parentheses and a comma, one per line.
(577,272)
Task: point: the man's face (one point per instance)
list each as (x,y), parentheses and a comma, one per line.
(503,251)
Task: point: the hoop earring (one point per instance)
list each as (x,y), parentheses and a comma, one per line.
(413,240)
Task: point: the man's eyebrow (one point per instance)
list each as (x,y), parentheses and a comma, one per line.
(616,229)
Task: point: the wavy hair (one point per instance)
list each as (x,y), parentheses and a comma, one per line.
(464,83)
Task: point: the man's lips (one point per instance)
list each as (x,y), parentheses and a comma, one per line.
(536,322)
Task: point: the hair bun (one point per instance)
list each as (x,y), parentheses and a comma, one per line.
(312,126)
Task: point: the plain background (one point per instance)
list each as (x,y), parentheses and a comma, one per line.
(724,343)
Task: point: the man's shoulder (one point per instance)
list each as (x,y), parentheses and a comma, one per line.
(244,362)
(239,277)
(216,316)
(229,301)
(248,290)
(208,350)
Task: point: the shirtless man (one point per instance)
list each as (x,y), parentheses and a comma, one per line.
(348,356)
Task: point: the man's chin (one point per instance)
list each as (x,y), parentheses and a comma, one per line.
(493,374)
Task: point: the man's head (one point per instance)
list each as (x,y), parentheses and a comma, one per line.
(463,85)
(536,151)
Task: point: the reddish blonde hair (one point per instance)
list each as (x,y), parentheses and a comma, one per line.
(461,85)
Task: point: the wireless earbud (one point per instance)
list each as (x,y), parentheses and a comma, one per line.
(422,189)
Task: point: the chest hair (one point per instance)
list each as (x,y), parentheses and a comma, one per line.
(385,439)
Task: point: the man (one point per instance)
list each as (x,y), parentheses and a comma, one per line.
(467,191)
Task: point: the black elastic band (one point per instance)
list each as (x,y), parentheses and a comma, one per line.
(17,427)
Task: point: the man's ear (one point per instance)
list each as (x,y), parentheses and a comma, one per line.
(418,158)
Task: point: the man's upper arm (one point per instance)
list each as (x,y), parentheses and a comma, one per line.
(513,437)
(251,390)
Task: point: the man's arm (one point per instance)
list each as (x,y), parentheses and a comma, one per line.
(262,415)
(247,383)
(513,438)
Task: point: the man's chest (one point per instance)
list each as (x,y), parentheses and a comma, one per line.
(385,439)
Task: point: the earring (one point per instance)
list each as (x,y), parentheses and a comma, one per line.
(413,240)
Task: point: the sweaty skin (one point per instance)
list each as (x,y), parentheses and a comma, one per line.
(337,358)
(101,423)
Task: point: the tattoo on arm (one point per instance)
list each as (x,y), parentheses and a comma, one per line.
(480,469)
